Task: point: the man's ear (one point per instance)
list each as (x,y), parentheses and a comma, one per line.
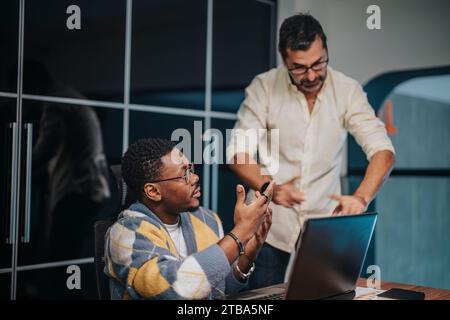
(152,191)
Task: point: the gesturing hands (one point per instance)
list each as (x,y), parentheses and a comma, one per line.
(249,218)
(287,194)
(349,205)
(256,242)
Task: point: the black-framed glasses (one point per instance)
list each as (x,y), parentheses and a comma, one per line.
(186,176)
(301,70)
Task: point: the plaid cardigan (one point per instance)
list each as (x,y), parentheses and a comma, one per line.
(142,262)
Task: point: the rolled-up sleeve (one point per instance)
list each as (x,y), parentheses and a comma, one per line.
(360,120)
(251,117)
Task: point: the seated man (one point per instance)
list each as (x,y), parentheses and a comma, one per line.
(167,247)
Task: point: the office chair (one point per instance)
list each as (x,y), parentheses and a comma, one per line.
(122,200)
(100,228)
(122,197)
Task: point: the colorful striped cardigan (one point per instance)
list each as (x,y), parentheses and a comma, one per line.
(142,262)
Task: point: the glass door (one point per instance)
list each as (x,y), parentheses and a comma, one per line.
(72,131)
(9,39)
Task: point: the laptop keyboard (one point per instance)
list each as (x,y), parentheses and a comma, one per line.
(275,296)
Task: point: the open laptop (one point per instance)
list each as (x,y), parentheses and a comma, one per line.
(329,257)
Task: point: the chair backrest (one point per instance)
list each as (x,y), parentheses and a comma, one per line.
(120,187)
(124,198)
(100,228)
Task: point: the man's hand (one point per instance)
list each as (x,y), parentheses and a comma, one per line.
(256,242)
(248,218)
(247,222)
(287,194)
(349,205)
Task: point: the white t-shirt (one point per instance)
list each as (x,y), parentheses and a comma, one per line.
(178,239)
(176,234)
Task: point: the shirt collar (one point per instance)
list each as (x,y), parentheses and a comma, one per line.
(142,208)
(173,226)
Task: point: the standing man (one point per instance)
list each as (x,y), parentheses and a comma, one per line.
(313,107)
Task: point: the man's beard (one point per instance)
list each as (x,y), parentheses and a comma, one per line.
(194,207)
(301,83)
(176,209)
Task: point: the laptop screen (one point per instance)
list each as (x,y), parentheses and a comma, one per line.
(330,256)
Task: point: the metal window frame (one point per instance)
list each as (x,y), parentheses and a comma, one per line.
(210,173)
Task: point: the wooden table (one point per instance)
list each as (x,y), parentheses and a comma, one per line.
(430,293)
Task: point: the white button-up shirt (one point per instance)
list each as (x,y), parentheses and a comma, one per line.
(310,146)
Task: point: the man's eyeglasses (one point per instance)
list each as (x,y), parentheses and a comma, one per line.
(186,176)
(301,70)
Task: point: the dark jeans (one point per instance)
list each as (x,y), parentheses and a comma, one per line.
(270,267)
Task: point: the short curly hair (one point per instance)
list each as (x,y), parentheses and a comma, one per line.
(299,32)
(142,162)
